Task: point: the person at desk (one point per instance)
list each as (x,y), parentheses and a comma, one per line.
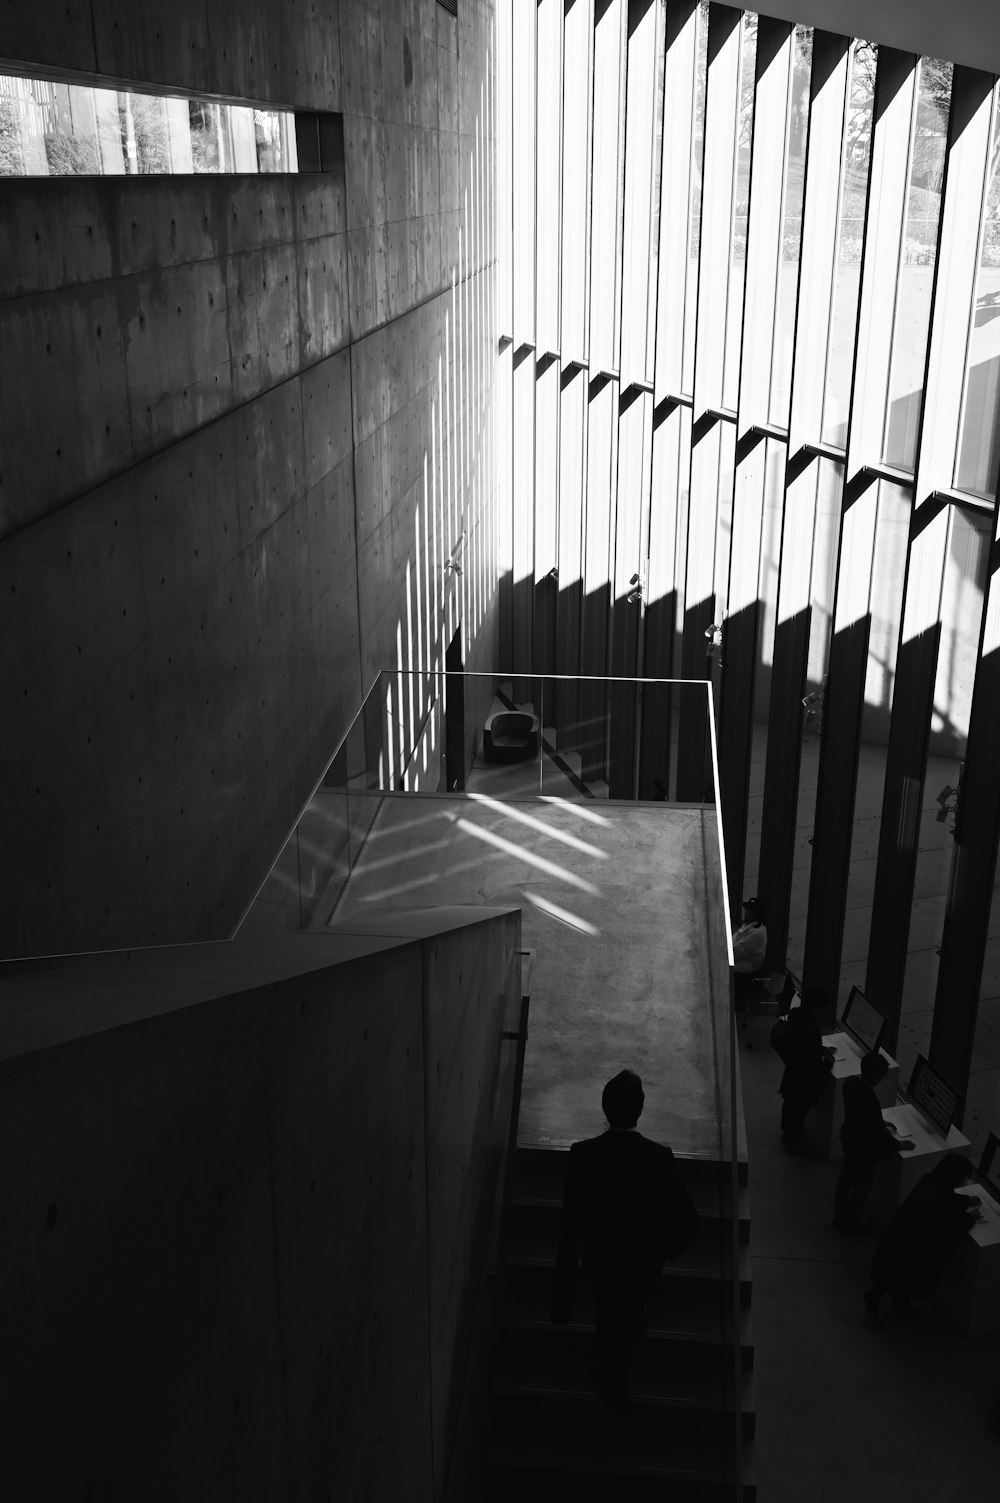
(866,1138)
(749,949)
(807,1064)
(921,1237)
(625,1204)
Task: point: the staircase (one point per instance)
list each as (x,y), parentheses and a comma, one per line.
(680,1438)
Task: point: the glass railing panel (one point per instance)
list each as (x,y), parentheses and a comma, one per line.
(323,844)
(434,733)
(622,738)
(368,744)
(498,735)
(504,728)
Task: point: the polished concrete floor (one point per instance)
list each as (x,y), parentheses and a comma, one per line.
(847,1410)
(613,901)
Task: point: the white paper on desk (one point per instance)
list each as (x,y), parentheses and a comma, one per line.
(896,1116)
(980,1199)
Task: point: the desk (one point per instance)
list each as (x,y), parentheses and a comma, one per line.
(824,1122)
(970,1288)
(898,1173)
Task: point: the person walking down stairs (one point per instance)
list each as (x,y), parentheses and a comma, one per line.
(628,1211)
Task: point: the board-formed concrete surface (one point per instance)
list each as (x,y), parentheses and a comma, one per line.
(249,417)
(613,900)
(252,1209)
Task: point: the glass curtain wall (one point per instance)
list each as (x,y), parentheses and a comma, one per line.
(822,445)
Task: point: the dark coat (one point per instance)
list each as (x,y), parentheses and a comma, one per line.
(625,1204)
(864,1134)
(920,1238)
(806,1063)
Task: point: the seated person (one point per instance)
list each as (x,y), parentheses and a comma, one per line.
(921,1237)
(749,949)
(807,1063)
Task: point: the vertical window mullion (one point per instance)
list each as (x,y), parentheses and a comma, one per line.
(504,420)
(665,578)
(828,91)
(522,500)
(978,439)
(774,56)
(576,106)
(725,36)
(918,256)
(504,171)
(569,585)
(741,635)
(604,242)
(674,260)
(972,110)
(549,156)
(637,196)
(523,172)
(895,89)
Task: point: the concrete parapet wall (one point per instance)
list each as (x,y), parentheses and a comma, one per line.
(247,1222)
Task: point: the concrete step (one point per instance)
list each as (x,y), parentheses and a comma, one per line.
(677,1322)
(569,756)
(538,1192)
(518,1487)
(687,1434)
(555,1368)
(595,1453)
(707,1260)
(548,1165)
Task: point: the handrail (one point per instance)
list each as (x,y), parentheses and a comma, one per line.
(442,675)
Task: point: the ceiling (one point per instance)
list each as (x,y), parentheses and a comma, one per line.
(963,31)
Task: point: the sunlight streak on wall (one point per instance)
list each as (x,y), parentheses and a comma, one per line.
(546,906)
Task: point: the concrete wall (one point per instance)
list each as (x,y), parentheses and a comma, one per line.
(248,1218)
(244,421)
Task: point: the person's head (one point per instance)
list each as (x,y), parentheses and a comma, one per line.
(752,911)
(622,1099)
(953,1170)
(874,1067)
